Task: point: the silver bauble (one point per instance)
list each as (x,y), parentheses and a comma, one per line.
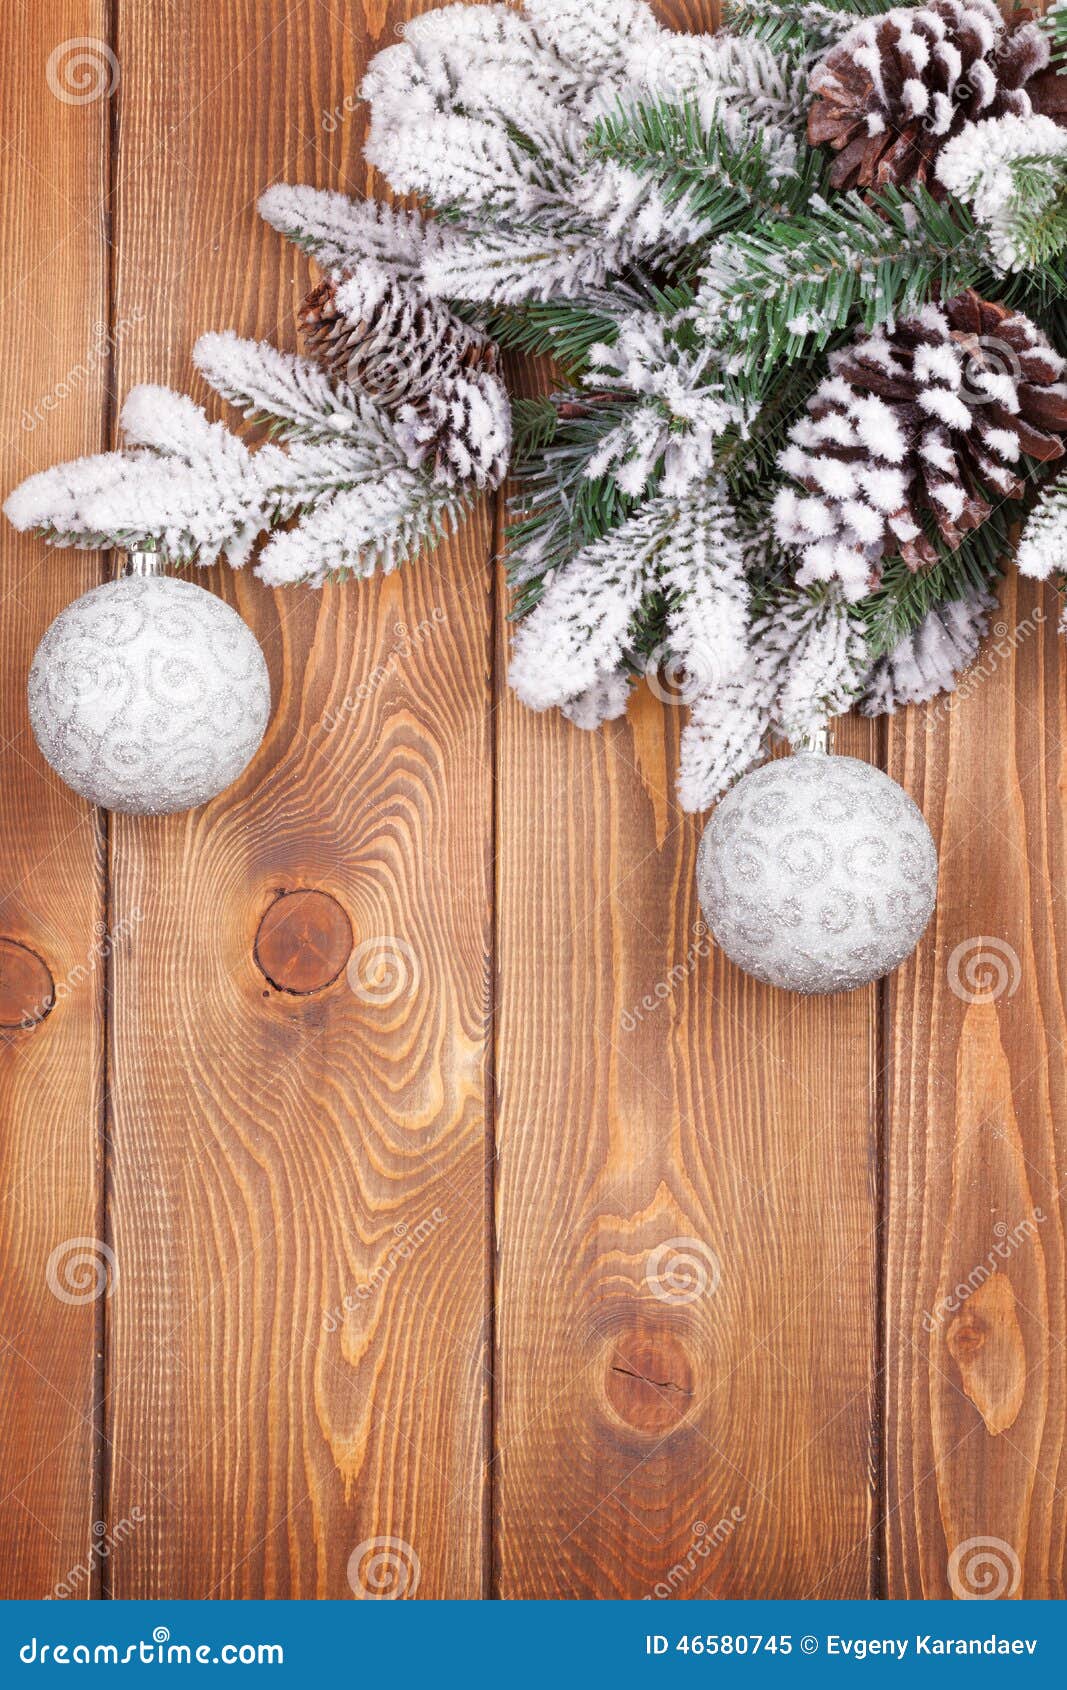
(817,873)
(149,694)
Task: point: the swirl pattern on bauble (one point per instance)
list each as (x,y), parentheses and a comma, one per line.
(149,695)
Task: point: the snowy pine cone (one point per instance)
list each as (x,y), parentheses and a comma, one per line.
(921,421)
(897,87)
(437,375)
(387,338)
(463,427)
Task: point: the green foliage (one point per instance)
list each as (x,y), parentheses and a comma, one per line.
(562,329)
(782,274)
(1039,225)
(787,289)
(903,598)
(721,181)
(799,26)
(558,508)
(1055,22)
(748,458)
(534,423)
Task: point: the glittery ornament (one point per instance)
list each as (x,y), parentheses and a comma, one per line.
(817,873)
(149,694)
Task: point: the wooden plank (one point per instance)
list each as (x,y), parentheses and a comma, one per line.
(977,1399)
(285,1141)
(55,75)
(694,1440)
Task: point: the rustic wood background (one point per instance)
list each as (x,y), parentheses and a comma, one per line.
(470,1147)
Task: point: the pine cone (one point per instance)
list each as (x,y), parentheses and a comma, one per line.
(389,340)
(464,426)
(894,89)
(929,419)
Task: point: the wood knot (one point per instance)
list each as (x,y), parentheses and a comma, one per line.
(986,1343)
(303,942)
(649,1380)
(965,1338)
(27,990)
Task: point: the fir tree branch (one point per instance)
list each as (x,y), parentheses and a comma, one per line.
(749,459)
(1055,22)
(558,508)
(722,181)
(904,598)
(789,289)
(803,27)
(534,425)
(561,329)
(1039,222)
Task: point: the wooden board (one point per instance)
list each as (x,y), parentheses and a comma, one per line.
(685,1209)
(279,1151)
(54,74)
(976,1396)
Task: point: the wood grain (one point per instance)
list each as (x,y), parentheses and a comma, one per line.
(53,280)
(976,1391)
(685,1208)
(296,1354)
